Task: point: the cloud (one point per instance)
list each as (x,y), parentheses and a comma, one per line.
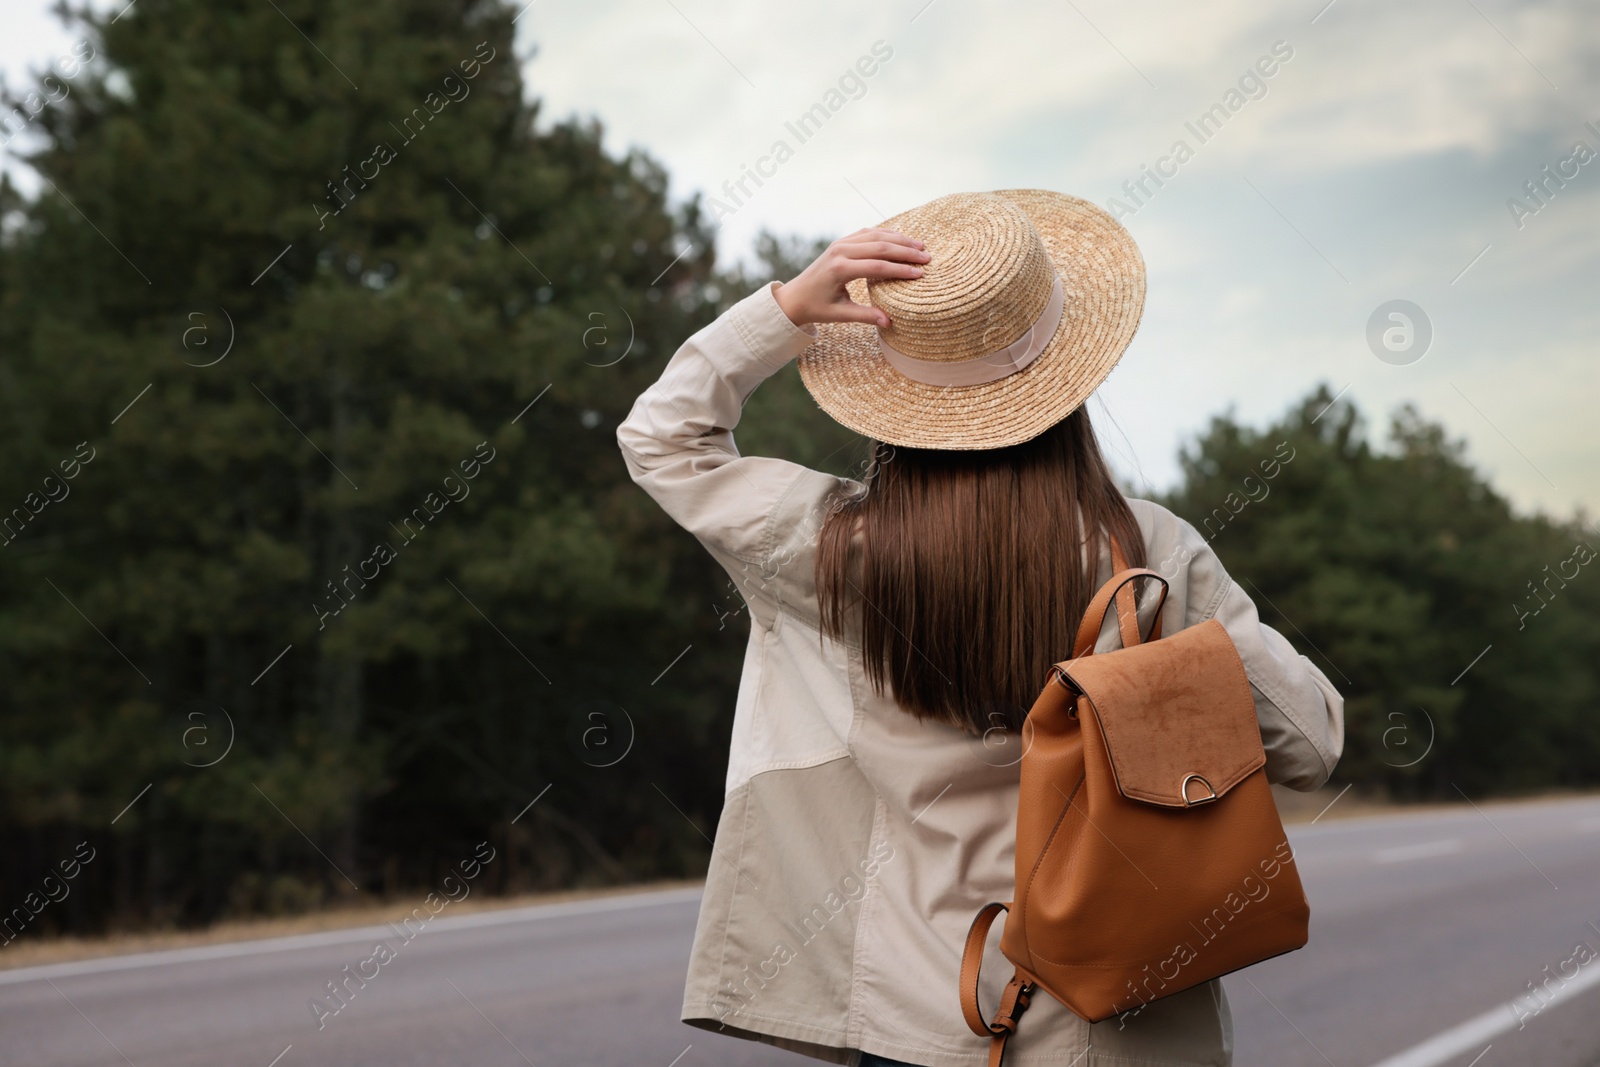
(1376,166)
(1383,151)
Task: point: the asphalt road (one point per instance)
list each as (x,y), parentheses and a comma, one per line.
(1421,924)
(1424,928)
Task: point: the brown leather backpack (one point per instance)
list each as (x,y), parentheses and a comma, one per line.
(1150,856)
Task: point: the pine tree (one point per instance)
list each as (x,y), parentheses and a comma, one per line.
(348,336)
(1406,578)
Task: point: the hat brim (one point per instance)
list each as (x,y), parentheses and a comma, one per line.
(1103,277)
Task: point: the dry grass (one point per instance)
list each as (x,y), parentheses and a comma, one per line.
(27,953)
(1296,807)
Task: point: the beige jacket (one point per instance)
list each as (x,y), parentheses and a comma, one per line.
(856,843)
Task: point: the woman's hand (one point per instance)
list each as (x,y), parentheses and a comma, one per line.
(818,293)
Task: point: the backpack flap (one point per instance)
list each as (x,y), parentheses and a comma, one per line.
(1177,715)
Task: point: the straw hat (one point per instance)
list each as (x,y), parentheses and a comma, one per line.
(1026,305)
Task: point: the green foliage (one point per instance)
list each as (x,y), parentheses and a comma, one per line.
(234,509)
(334,482)
(1393,569)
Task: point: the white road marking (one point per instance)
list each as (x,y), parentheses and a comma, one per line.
(1459,1040)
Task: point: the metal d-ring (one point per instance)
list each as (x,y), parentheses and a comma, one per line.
(1061,679)
(1183,790)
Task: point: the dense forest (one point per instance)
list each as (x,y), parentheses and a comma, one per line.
(320,563)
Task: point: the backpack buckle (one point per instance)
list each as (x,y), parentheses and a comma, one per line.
(1013,1002)
(1183,790)
(1066,683)
(1060,677)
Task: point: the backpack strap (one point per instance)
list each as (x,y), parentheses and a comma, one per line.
(1127,606)
(1120,586)
(1013,1000)
(1119,562)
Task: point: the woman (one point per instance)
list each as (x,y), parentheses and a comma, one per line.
(902,624)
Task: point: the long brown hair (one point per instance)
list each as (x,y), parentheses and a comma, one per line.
(968,569)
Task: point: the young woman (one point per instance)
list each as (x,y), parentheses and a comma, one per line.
(901,625)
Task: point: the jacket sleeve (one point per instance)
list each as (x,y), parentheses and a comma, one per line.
(748,511)
(1300,713)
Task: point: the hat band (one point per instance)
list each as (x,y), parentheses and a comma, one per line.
(989,367)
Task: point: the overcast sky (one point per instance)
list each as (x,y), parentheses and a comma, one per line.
(1374,164)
